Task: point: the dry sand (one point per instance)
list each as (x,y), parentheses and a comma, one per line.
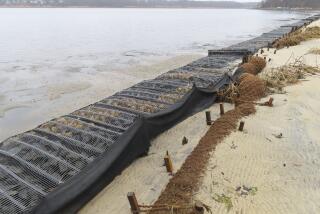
(284,169)
(147,176)
(278,154)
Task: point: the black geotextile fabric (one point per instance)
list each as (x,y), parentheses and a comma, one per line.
(72,195)
(71,189)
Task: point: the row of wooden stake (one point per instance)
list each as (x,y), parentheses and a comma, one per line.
(135,207)
(210,122)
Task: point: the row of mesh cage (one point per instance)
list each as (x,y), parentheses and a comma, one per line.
(205,72)
(35,163)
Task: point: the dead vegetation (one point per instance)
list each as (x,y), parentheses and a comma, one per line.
(277,78)
(186,181)
(315,51)
(295,38)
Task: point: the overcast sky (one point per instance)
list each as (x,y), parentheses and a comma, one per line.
(233,0)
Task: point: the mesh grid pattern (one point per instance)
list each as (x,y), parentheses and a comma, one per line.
(134,104)
(35,163)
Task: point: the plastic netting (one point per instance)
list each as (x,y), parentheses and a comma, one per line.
(35,163)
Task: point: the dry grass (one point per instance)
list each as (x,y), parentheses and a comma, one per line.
(278,78)
(186,181)
(297,37)
(315,51)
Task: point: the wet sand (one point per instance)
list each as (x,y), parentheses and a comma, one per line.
(44,99)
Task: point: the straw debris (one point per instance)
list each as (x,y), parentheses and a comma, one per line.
(187,180)
(277,78)
(295,38)
(315,51)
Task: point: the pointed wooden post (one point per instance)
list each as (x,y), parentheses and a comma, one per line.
(221,109)
(208,118)
(270,102)
(133,203)
(168,163)
(241,126)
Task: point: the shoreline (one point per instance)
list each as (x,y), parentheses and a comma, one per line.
(121,186)
(61,99)
(94,144)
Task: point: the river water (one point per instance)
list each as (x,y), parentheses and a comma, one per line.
(53,61)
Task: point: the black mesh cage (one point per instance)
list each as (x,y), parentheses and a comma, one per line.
(63,163)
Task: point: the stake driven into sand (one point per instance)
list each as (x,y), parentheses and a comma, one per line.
(63,163)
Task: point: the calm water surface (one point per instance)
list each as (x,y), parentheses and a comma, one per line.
(45,53)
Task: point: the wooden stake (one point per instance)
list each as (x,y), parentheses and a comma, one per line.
(241,126)
(208,118)
(270,102)
(133,203)
(275,51)
(221,109)
(168,163)
(184,141)
(245,59)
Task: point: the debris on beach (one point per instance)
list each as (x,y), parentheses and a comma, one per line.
(295,38)
(244,190)
(278,78)
(278,135)
(224,200)
(315,51)
(185,141)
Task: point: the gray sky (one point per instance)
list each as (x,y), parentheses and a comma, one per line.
(233,0)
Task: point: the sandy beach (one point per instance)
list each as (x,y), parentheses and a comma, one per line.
(273,166)
(147,176)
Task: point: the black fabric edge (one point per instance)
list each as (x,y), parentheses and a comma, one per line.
(72,195)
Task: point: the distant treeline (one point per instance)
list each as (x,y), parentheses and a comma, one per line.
(291,3)
(126,3)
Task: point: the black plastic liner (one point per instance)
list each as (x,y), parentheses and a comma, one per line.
(62,164)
